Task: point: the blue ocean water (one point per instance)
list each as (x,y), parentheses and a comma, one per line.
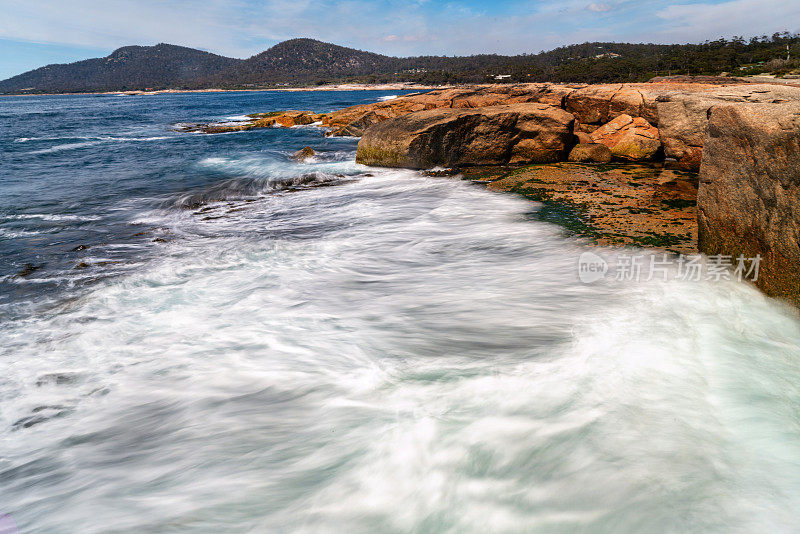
(198,334)
(77,170)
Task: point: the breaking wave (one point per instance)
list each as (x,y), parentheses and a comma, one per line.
(251,352)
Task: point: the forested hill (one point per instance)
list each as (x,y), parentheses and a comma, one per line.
(129,67)
(307,61)
(304,60)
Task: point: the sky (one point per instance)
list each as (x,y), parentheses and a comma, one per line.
(34,33)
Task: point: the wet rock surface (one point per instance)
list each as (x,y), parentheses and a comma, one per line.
(590,153)
(749,194)
(303,154)
(618,204)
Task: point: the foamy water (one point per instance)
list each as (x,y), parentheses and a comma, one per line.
(325,347)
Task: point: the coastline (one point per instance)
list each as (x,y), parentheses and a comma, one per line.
(336,87)
(400,86)
(715,202)
(286,339)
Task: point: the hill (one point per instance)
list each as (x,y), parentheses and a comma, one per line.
(129,67)
(307,61)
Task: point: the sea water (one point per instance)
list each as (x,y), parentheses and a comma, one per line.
(198,334)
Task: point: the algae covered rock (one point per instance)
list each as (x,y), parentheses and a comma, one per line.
(590,153)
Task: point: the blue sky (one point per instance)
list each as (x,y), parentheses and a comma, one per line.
(37,32)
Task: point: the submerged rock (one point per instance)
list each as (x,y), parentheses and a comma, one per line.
(590,153)
(629,138)
(496,135)
(303,154)
(749,195)
(440,173)
(28,269)
(58,379)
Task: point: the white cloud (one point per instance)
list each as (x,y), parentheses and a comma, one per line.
(241,28)
(691,22)
(599,8)
(409,38)
(114,23)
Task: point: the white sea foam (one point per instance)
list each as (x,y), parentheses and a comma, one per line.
(398,354)
(386,98)
(50,217)
(93,142)
(16,234)
(238,118)
(66,146)
(279,169)
(50,138)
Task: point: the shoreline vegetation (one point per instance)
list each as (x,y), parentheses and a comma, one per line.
(304,63)
(399,86)
(620,164)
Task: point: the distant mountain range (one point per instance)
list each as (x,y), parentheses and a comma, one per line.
(307,61)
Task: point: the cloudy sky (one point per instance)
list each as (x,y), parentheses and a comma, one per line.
(37,32)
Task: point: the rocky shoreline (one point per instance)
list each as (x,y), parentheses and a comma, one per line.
(648,205)
(728,146)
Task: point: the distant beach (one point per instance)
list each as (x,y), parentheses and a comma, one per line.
(335,87)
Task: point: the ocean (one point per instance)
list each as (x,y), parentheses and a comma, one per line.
(198,334)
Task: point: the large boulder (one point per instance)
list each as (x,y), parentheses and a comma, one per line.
(356,128)
(495,135)
(683,115)
(496,95)
(354,120)
(749,195)
(629,138)
(357,118)
(598,104)
(681,130)
(682,124)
